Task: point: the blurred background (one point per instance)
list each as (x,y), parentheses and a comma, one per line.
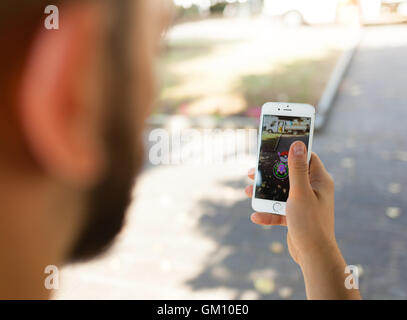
(188,233)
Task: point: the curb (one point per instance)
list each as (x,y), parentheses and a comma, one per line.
(330,92)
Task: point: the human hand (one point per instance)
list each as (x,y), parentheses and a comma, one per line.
(310,207)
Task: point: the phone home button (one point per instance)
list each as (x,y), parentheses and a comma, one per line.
(277,207)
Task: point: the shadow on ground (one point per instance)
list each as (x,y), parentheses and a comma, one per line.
(243,260)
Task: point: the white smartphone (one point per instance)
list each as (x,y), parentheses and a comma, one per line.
(281,124)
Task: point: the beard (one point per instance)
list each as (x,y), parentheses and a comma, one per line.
(109,200)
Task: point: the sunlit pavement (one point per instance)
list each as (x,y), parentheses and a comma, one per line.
(188,235)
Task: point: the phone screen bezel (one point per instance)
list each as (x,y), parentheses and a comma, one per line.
(280,109)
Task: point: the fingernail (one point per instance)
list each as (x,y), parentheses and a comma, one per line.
(299,149)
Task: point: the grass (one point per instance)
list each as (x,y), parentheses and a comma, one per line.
(178,51)
(268,136)
(299,81)
(207,74)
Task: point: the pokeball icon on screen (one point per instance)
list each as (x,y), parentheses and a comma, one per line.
(280,170)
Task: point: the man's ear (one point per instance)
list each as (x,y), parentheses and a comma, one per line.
(60,106)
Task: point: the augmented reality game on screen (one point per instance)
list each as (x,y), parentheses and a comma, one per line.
(278,133)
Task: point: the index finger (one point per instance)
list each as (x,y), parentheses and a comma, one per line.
(251,173)
(268,219)
(320,179)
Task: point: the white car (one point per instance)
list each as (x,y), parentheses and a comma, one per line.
(297,12)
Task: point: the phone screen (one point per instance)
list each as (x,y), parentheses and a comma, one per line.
(277,135)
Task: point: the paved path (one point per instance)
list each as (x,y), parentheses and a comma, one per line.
(365,148)
(195,240)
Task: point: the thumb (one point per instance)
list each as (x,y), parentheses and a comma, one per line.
(298,169)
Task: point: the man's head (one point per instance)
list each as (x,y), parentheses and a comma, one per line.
(73,103)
